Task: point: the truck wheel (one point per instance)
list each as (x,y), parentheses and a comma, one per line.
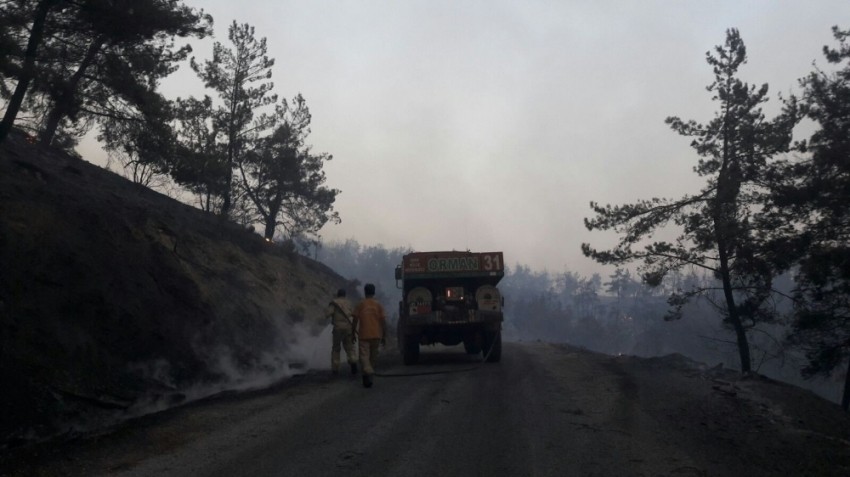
(493,345)
(410,350)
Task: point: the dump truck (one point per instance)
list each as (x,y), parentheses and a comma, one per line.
(450,298)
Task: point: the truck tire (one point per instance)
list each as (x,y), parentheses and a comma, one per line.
(410,349)
(493,345)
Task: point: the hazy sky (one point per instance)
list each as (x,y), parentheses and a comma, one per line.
(491,125)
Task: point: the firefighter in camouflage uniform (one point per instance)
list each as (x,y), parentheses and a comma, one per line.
(339,314)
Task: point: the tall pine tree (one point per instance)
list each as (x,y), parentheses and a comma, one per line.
(241,77)
(716,225)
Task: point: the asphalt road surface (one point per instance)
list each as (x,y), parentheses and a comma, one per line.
(545,410)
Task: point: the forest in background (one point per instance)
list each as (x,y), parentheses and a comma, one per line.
(615,314)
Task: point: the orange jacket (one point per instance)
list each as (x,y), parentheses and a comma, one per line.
(369,319)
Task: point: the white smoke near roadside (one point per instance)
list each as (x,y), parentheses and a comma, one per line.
(299,351)
(313,351)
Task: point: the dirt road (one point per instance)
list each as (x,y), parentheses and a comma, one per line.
(545,410)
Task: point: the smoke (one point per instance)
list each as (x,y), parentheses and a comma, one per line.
(314,352)
(299,350)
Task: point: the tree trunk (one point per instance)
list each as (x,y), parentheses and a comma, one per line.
(720,231)
(208,204)
(225,204)
(271,220)
(735,317)
(721,227)
(231,147)
(63,103)
(28,70)
(271,224)
(727,191)
(845,398)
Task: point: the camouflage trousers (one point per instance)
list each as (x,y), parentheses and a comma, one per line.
(342,339)
(368,354)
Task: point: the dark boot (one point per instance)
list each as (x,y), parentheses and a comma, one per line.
(367,381)
(353,368)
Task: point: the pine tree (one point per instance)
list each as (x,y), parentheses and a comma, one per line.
(199,162)
(240,77)
(717,229)
(283,178)
(97,60)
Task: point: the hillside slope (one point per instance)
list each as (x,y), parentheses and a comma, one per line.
(116,300)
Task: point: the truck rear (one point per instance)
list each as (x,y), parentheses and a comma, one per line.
(450,298)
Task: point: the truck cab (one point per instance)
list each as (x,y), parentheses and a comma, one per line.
(450,298)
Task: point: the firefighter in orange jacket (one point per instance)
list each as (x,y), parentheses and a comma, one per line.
(339,314)
(370,326)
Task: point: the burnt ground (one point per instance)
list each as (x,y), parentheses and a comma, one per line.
(116,300)
(545,410)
